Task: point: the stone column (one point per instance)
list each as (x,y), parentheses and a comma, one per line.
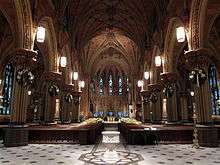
(75,111)
(200,59)
(67,103)
(17,133)
(132,112)
(156,103)
(52,91)
(22,60)
(184,106)
(168,80)
(146,106)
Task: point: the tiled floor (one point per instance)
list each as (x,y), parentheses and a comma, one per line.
(48,154)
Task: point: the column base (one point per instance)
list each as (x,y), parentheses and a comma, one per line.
(16,135)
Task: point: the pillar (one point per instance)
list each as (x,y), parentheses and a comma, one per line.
(146,106)
(168,80)
(75,113)
(22,60)
(52,91)
(184,107)
(67,104)
(200,58)
(17,133)
(156,102)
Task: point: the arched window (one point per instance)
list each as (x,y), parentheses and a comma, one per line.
(213,83)
(120,85)
(110,85)
(127,84)
(101,86)
(7,89)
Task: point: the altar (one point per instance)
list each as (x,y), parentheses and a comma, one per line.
(111,125)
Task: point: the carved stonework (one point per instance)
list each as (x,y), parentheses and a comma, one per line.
(197,12)
(146,96)
(155,87)
(22,58)
(53,77)
(199,58)
(25,21)
(168,77)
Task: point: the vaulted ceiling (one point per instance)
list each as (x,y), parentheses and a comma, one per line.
(125,28)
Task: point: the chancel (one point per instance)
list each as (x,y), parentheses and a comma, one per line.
(106,82)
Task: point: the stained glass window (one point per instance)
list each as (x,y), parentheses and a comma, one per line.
(101,86)
(7,90)
(213,83)
(110,85)
(120,85)
(127,83)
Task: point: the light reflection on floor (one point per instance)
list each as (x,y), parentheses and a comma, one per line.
(49,154)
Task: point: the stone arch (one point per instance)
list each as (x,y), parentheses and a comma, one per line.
(210,45)
(197,23)
(211,23)
(7,44)
(51,41)
(154,76)
(24,24)
(66,52)
(171,44)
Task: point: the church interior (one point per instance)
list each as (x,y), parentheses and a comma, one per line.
(103,82)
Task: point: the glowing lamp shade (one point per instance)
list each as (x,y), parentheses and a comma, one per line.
(192,93)
(158,61)
(82,84)
(29,93)
(180,34)
(146,75)
(140,83)
(40,34)
(63,61)
(75,75)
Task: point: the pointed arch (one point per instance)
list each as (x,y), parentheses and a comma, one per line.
(171,44)
(24,24)
(51,41)
(197,23)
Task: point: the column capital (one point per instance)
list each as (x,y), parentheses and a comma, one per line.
(199,58)
(22,57)
(52,76)
(67,88)
(155,87)
(169,77)
(146,93)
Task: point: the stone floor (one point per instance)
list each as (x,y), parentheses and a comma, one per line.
(49,154)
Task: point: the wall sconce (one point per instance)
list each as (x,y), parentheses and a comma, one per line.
(82,84)
(158,61)
(192,93)
(130,106)
(75,75)
(140,83)
(63,61)
(0,81)
(180,34)
(146,75)
(29,93)
(40,34)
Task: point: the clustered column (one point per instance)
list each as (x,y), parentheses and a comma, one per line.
(198,62)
